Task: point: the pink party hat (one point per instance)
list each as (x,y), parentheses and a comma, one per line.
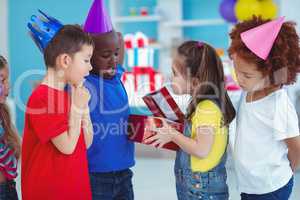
(98,21)
(260,39)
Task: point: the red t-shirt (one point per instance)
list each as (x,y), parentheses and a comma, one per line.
(47,173)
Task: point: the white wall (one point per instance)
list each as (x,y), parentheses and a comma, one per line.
(4,47)
(4,28)
(290,9)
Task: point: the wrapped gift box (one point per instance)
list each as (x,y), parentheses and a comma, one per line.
(142,57)
(140,60)
(139,54)
(138,133)
(161,104)
(142,80)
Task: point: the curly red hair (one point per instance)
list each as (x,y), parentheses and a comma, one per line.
(283,58)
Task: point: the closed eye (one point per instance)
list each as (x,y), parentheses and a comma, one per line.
(174,73)
(246,75)
(106,55)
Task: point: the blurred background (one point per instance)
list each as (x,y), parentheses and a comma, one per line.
(151,29)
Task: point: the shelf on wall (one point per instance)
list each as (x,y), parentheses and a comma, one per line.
(155,46)
(132,19)
(197,22)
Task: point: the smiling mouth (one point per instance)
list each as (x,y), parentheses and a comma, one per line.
(109,73)
(111,70)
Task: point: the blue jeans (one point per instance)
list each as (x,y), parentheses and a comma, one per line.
(8,191)
(205,186)
(112,185)
(280,194)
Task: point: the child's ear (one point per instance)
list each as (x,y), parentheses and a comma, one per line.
(195,82)
(63,60)
(121,48)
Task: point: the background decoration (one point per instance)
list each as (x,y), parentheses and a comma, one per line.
(240,10)
(227,10)
(141,77)
(269,9)
(245,9)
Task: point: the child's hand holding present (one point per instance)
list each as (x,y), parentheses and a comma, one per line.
(164,132)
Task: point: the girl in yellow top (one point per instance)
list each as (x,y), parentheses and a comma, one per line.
(200,164)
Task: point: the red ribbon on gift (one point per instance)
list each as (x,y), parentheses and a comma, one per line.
(141,43)
(124,77)
(154,105)
(138,133)
(138,71)
(128,44)
(137,124)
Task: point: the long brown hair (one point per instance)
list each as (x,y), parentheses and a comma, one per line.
(205,69)
(11,136)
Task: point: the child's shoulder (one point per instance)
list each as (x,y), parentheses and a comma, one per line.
(276,99)
(208,104)
(208,107)
(120,68)
(39,94)
(40,90)
(282,101)
(282,94)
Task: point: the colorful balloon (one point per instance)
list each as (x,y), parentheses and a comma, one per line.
(245,9)
(269,9)
(227,10)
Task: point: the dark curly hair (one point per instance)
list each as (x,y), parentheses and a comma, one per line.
(283,62)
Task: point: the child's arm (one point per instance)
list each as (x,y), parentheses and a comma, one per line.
(293,145)
(67,141)
(87,128)
(199,147)
(122,50)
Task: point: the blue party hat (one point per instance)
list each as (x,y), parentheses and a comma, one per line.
(43,29)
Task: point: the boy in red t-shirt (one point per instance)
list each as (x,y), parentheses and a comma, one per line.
(58,128)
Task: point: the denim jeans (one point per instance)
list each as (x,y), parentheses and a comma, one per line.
(206,186)
(191,185)
(280,194)
(8,191)
(112,185)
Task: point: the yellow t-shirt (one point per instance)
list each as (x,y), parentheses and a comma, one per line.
(208,113)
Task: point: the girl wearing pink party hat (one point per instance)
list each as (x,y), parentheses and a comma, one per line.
(267,142)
